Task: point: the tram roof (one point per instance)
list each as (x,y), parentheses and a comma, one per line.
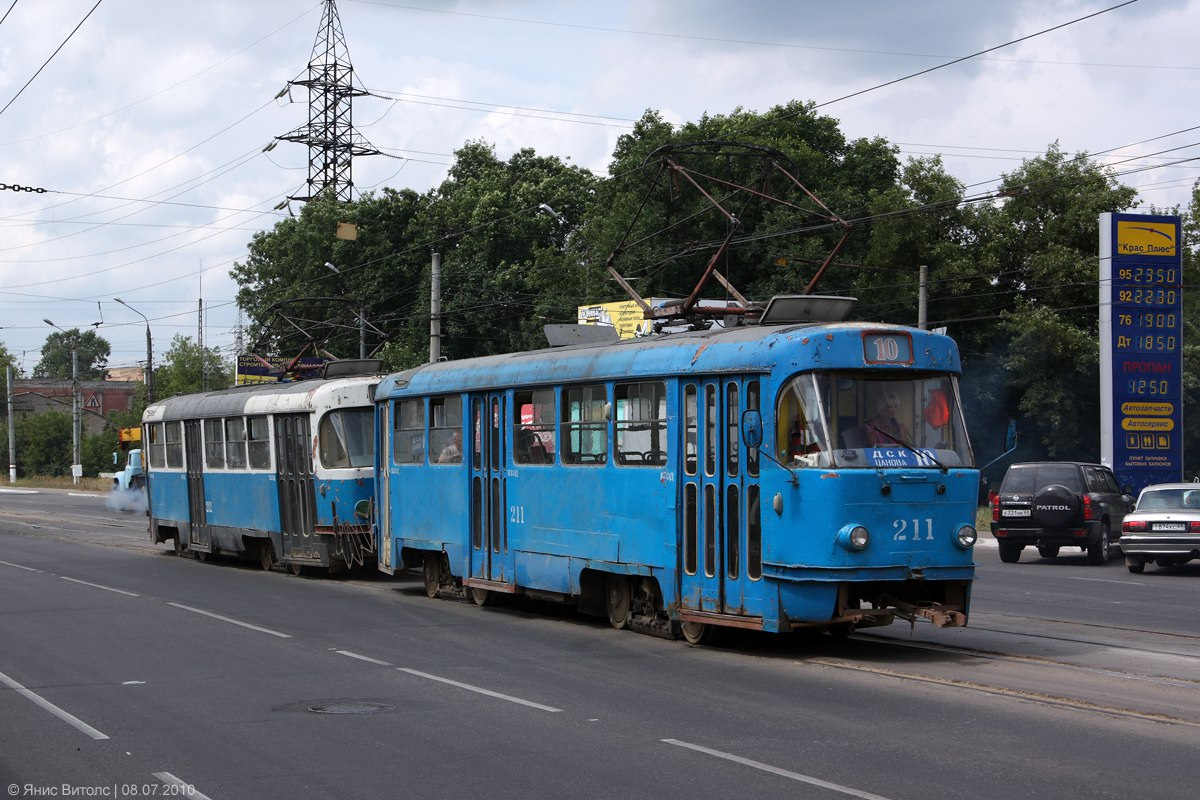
(266,398)
(749,348)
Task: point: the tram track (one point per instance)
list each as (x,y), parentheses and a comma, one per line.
(1133,680)
(1039,698)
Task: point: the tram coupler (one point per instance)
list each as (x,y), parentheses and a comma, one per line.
(938,614)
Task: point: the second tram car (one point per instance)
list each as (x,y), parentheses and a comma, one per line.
(281,472)
(766,476)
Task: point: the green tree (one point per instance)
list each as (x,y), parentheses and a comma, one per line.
(1040,320)
(44,444)
(7,359)
(189,368)
(91,355)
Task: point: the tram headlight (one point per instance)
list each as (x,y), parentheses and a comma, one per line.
(854,538)
(966,537)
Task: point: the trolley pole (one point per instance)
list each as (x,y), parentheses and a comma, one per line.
(435,310)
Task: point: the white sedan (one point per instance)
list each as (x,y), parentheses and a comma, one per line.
(1164,527)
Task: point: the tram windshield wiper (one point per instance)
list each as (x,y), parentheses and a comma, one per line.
(918,453)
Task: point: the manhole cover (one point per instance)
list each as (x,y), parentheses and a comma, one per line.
(350,708)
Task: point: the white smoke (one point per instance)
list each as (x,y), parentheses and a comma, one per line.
(126,500)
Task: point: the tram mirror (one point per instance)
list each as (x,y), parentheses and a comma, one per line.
(752,428)
(1010,437)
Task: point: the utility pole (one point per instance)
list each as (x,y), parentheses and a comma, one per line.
(76,466)
(149,352)
(73,338)
(12,430)
(330,135)
(435,310)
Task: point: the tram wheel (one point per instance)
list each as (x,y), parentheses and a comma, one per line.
(696,633)
(431,571)
(201,556)
(177,545)
(297,568)
(480,596)
(618,601)
(266,555)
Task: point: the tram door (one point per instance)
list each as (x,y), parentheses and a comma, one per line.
(721,551)
(294,475)
(199,536)
(489,528)
(383,486)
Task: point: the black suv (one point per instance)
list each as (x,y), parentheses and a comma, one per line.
(1053,504)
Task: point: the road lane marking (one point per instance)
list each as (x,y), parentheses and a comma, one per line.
(18,566)
(368,659)
(1106,580)
(795,776)
(231,620)
(186,789)
(70,719)
(18,491)
(480,690)
(98,586)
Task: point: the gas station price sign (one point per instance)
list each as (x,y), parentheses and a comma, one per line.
(1141,344)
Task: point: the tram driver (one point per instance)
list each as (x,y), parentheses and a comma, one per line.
(885,428)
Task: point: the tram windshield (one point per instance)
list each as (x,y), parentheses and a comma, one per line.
(868,420)
(346,438)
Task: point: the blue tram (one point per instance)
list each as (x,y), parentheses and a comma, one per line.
(770,476)
(280,472)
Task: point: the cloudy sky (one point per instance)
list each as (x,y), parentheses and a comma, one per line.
(144,121)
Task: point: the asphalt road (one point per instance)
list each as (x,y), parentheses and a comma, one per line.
(126,671)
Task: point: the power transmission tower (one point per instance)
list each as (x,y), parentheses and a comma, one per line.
(330,135)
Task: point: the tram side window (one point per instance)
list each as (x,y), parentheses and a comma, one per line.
(445,429)
(641,426)
(156,445)
(344,438)
(214,444)
(691,429)
(752,403)
(235,443)
(408,441)
(258,436)
(174,447)
(533,427)
(584,425)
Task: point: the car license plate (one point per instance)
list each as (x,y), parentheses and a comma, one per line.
(1016,512)
(1168,526)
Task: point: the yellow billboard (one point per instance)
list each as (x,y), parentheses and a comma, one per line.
(1141,238)
(624,315)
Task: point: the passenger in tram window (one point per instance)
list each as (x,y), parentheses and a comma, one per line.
(452,453)
(800,441)
(885,428)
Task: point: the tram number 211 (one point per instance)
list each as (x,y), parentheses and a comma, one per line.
(905,531)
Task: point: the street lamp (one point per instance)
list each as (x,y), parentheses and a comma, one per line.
(149,353)
(76,467)
(362,319)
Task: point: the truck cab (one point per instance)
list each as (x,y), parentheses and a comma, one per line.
(131,475)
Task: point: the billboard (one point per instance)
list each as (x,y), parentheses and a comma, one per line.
(256,369)
(1141,348)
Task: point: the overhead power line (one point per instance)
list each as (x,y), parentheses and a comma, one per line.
(51,58)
